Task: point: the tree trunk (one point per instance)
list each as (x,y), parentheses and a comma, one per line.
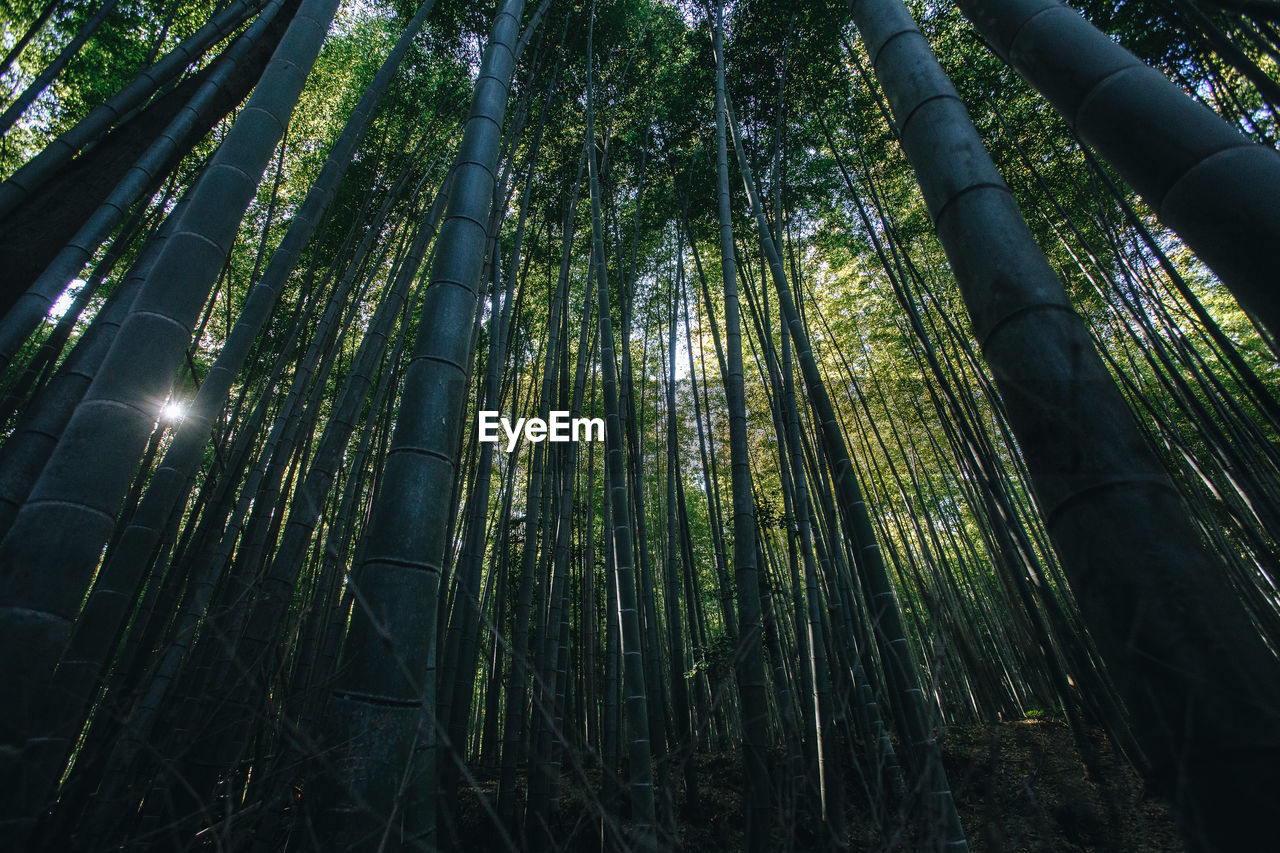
(1199,678)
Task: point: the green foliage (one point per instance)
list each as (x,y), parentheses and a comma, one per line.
(887,323)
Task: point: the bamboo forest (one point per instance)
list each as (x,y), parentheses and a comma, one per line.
(639,425)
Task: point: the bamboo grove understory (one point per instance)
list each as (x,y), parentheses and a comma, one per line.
(936,351)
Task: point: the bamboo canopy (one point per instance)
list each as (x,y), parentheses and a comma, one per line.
(638,424)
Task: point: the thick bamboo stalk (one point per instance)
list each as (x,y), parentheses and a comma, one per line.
(81,488)
(749,658)
(1201,176)
(1200,679)
(384,702)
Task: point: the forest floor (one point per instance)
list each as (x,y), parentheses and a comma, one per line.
(1019,786)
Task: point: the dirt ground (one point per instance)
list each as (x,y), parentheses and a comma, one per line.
(1018,786)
